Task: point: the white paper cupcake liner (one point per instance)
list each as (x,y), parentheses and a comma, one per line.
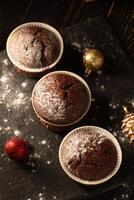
(23,68)
(109,136)
(63,127)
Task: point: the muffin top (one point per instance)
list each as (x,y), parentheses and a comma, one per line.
(60,98)
(34,47)
(89,155)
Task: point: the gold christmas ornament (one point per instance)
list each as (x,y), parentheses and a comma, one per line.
(93,59)
(128,125)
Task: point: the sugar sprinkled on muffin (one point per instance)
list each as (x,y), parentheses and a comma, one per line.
(89,155)
(60,98)
(34,47)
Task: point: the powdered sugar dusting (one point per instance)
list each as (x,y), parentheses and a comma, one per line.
(58,98)
(76,143)
(15,99)
(49,100)
(17,133)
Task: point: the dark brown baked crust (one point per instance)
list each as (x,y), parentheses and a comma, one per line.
(89,156)
(60,98)
(34,47)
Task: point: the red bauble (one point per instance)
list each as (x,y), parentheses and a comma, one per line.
(16,148)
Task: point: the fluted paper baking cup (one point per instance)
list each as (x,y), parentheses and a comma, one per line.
(92,129)
(63,127)
(22,67)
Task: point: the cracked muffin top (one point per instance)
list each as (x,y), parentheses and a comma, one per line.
(89,155)
(34,47)
(60,98)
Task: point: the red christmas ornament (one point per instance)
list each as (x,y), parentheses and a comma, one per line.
(16,148)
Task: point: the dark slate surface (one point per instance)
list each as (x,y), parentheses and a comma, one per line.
(96,33)
(43,178)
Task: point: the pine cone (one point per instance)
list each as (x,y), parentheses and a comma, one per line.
(128,125)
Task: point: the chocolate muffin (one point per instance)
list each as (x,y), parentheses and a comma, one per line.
(34,46)
(61,98)
(89,155)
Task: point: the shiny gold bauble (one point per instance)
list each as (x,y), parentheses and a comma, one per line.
(93,59)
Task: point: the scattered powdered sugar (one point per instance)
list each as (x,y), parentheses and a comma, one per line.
(92,99)
(49,162)
(34,171)
(8,128)
(111,117)
(43,142)
(6,61)
(48,146)
(17,133)
(36,156)
(124,196)
(4,79)
(99,72)
(102,87)
(80,143)
(5,120)
(41,196)
(48,100)
(13,95)
(113,105)
(24,84)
